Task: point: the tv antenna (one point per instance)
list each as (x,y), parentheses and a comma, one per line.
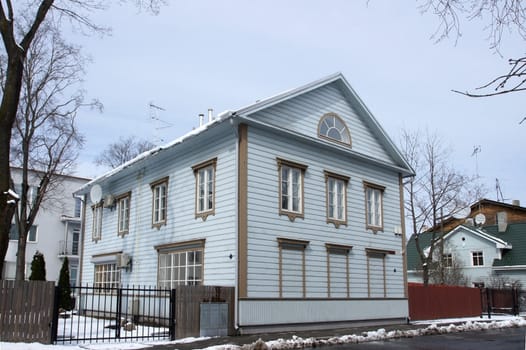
(160,124)
(500,197)
(476,151)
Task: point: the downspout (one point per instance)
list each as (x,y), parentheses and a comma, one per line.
(236,230)
(83,200)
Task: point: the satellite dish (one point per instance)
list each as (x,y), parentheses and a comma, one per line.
(462,213)
(95,194)
(480,219)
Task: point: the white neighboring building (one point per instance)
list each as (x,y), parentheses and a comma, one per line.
(55,232)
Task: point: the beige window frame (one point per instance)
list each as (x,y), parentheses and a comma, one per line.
(372,253)
(205,187)
(182,260)
(159,202)
(336,198)
(374,206)
(338,249)
(291,189)
(123,213)
(292,244)
(332,122)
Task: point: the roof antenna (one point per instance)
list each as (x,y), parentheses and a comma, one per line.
(476,151)
(159,123)
(500,197)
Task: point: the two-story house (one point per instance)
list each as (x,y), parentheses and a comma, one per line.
(487,247)
(295,200)
(56,230)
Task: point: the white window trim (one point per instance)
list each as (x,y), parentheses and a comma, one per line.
(473,258)
(336,179)
(96,223)
(180,248)
(207,178)
(293,167)
(376,206)
(123,213)
(158,199)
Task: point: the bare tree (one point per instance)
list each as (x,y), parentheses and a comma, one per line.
(447,270)
(437,192)
(500,16)
(45,141)
(120,152)
(19,24)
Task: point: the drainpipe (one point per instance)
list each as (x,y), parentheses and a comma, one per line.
(236,230)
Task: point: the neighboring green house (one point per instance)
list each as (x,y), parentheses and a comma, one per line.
(485,255)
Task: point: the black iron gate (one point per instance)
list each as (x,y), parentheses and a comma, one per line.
(113,314)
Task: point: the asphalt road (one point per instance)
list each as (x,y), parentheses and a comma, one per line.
(508,338)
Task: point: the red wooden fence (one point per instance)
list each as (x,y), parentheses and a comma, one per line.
(434,302)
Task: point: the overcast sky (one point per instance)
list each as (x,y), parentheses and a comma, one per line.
(224,55)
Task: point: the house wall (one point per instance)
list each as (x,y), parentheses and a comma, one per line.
(302,113)
(461,244)
(51,230)
(265,225)
(219,230)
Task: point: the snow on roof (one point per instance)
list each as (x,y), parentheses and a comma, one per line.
(221,117)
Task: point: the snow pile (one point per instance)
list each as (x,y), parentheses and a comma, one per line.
(378,335)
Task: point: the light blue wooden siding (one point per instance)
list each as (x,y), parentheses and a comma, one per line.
(219,230)
(302,114)
(265,224)
(461,244)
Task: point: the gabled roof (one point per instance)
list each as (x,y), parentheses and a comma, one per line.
(515,234)
(499,243)
(512,241)
(354,100)
(246,111)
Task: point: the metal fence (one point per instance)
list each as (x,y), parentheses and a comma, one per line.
(503,301)
(29,311)
(112,314)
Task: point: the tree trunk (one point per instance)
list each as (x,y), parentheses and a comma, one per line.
(8,110)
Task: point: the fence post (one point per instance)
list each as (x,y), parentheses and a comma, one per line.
(118,314)
(172,314)
(488,301)
(515,297)
(54,320)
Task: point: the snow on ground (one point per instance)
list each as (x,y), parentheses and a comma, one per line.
(434,327)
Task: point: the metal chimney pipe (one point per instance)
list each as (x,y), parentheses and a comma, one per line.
(201,119)
(210,114)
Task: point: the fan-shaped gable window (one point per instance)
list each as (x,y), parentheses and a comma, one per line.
(333,127)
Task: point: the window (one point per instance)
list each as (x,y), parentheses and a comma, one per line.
(447,260)
(31,236)
(338,285)
(159,205)
(107,276)
(478,258)
(374,206)
(336,198)
(205,188)
(181,264)
(291,188)
(78,207)
(292,271)
(96,226)
(123,208)
(331,126)
(376,272)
